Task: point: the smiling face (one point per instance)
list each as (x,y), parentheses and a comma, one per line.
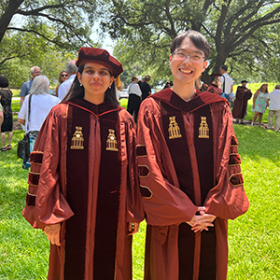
(187,70)
(95,79)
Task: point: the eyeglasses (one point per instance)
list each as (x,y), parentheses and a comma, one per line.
(182,55)
(37,72)
(64,75)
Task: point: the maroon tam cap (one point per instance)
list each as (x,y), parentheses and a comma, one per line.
(215,75)
(87,55)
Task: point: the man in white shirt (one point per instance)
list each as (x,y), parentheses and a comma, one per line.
(134,98)
(72,70)
(227,83)
(274,108)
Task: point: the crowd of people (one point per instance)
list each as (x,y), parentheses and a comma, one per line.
(94,177)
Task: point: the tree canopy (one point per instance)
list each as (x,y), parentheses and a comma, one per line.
(32,31)
(235,29)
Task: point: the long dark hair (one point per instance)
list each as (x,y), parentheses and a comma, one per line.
(77,91)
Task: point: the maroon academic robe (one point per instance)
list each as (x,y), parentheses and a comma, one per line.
(242,96)
(188,157)
(84,175)
(214,89)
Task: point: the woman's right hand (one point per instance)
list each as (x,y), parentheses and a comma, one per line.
(53,234)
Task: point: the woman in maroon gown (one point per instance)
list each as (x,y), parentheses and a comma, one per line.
(83,187)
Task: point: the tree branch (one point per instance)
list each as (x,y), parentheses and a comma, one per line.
(38,33)
(11,57)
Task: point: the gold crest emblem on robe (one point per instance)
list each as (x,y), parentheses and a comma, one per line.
(174,129)
(203,129)
(111,143)
(77,139)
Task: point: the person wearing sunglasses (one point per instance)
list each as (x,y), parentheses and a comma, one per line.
(189,170)
(63,76)
(71,70)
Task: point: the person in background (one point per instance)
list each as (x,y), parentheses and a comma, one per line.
(227,84)
(26,86)
(119,87)
(41,104)
(71,70)
(1,115)
(167,85)
(63,76)
(274,108)
(200,85)
(260,103)
(215,86)
(242,96)
(145,87)
(140,82)
(134,98)
(7,125)
(189,171)
(83,185)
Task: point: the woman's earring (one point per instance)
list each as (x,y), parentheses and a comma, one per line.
(109,87)
(81,84)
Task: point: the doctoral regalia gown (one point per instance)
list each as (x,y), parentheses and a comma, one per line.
(84,175)
(242,96)
(187,157)
(214,89)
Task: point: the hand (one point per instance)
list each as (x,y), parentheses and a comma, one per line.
(201,210)
(132,228)
(203,222)
(53,233)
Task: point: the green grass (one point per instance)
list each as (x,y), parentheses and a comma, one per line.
(254,251)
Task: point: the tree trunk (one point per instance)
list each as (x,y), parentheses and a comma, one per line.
(6,18)
(220,60)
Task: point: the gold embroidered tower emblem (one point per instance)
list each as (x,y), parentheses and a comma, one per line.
(77,139)
(174,129)
(111,143)
(203,129)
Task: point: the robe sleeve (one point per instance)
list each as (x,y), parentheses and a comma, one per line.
(45,202)
(227,199)
(135,211)
(164,203)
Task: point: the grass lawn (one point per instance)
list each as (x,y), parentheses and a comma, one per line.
(254,238)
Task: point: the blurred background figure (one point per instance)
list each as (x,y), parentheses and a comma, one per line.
(260,103)
(215,86)
(274,108)
(167,85)
(242,96)
(1,115)
(119,86)
(200,85)
(63,76)
(7,125)
(227,84)
(145,87)
(134,98)
(26,86)
(41,103)
(72,70)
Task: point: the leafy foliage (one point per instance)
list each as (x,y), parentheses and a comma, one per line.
(234,29)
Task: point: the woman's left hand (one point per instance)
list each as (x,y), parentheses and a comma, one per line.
(133,228)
